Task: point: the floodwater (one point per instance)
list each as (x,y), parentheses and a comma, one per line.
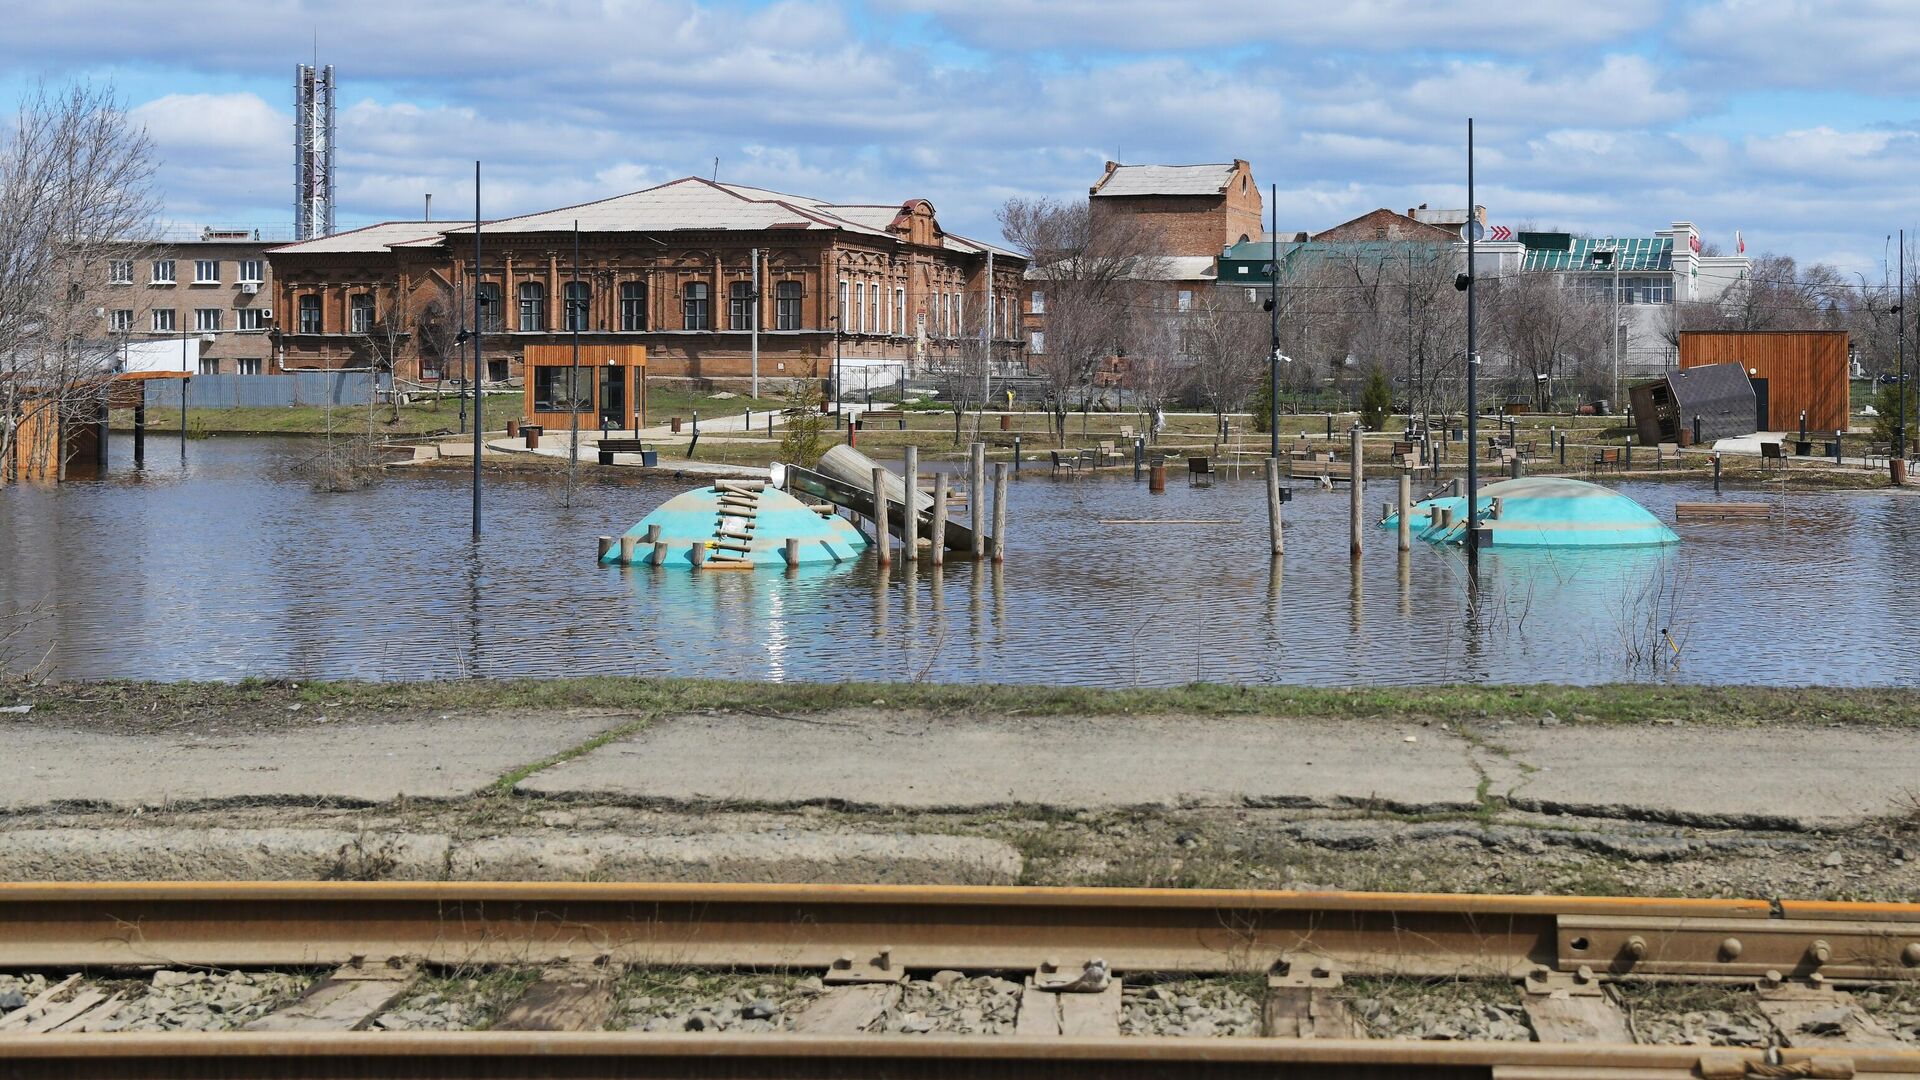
(230,565)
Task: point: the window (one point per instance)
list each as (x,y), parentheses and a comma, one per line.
(162,272)
(493,314)
(959,313)
(859,308)
(873,305)
(430,369)
(251,318)
(1039,302)
(163,320)
(695,307)
(633,305)
(550,389)
(209,366)
(1186,299)
(1039,344)
(786,305)
(206,271)
(252,271)
(899,311)
(740,305)
(120,319)
(360,314)
(120,272)
(840,319)
(533,306)
(206,318)
(248,365)
(576,310)
(310,314)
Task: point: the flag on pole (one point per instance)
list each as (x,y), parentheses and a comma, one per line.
(1693,242)
(1739,244)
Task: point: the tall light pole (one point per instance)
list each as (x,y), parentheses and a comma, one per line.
(478,422)
(1273,313)
(1473,370)
(1603,258)
(1900,391)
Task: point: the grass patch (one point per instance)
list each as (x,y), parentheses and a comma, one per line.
(348,419)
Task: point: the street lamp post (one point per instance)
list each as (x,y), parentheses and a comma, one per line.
(837,396)
(1604,258)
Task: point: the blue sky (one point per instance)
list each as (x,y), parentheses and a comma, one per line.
(1793,121)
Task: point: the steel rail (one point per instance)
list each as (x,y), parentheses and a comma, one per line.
(260,924)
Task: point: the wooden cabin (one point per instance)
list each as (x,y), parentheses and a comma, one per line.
(612,386)
(1791,371)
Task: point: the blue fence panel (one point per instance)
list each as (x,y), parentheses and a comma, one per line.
(266,391)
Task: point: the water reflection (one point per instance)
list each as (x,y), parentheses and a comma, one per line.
(231,566)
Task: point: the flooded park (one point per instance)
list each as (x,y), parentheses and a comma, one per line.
(228,564)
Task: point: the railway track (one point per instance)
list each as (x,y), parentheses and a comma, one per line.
(1068,980)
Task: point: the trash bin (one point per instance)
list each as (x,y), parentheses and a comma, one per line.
(1006,422)
(532,432)
(676,425)
(650,458)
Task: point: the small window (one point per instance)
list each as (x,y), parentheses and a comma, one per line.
(873,306)
(251,318)
(493,315)
(209,366)
(252,271)
(206,319)
(120,272)
(840,319)
(740,305)
(360,314)
(859,308)
(310,314)
(206,271)
(550,389)
(696,307)
(633,305)
(163,320)
(786,305)
(430,369)
(1039,302)
(1039,344)
(1186,299)
(120,319)
(533,306)
(576,310)
(248,365)
(899,312)
(162,272)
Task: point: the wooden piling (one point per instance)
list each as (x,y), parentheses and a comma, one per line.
(880,515)
(1157,476)
(976,503)
(1406,511)
(938,538)
(1000,511)
(653,534)
(793,552)
(606,545)
(1356,485)
(659,553)
(627,542)
(910,524)
(698,555)
(1273,506)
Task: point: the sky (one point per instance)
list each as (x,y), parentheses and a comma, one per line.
(1795,122)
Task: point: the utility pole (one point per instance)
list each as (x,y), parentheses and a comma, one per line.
(1616,324)
(1273,321)
(1900,313)
(478,422)
(754,254)
(1473,373)
(573,374)
(986,362)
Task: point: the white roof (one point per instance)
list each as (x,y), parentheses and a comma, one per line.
(1166,180)
(1189,267)
(685,204)
(371,238)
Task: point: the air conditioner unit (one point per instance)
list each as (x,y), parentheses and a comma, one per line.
(1252,295)
(249,287)
(266,313)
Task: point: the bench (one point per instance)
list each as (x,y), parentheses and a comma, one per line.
(1722,511)
(1109,452)
(610,447)
(1200,471)
(1605,459)
(882,415)
(1065,460)
(1665,452)
(1410,455)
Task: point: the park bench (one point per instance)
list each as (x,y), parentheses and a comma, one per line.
(882,416)
(1109,452)
(1410,455)
(610,447)
(1608,458)
(1665,453)
(1065,461)
(1200,471)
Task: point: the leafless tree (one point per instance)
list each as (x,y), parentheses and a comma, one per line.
(1157,367)
(963,375)
(1551,329)
(1226,341)
(1091,272)
(75,193)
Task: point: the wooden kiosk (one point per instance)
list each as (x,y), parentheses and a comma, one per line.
(611,392)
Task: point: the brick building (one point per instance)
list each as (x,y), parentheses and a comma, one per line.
(1386,225)
(216,293)
(1187,210)
(671,268)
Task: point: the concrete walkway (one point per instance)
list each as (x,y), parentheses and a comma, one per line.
(1784,776)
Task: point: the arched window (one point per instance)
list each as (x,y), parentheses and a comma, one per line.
(533,306)
(633,305)
(492,314)
(360,313)
(576,306)
(695,307)
(786,305)
(740,306)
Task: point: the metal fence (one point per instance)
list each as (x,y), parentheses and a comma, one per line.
(266,391)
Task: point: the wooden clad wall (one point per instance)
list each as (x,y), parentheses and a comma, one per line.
(1804,369)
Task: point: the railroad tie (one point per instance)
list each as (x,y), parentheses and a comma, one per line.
(1301,1004)
(347,1000)
(847,1010)
(1573,1008)
(33,1010)
(1822,1018)
(575,997)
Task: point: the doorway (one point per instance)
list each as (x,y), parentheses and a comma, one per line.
(1760,405)
(613,397)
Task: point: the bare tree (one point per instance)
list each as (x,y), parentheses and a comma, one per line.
(75,193)
(1551,329)
(1091,273)
(1226,342)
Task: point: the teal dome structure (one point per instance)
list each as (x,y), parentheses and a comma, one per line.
(1544,511)
(744,523)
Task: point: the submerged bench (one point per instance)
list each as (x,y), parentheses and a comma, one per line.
(1722,511)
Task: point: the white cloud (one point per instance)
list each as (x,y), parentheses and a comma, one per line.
(1871,46)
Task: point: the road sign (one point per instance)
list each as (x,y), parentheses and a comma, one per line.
(1501,232)
(1479,230)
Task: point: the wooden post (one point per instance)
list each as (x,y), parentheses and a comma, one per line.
(1356,484)
(1157,476)
(793,552)
(1000,511)
(653,534)
(659,553)
(976,504)
(627,542)
(698,554)
(938,538)
(880,515)
(606,545)
(1273,506)
(140,430)
(1406,511)
(910,524)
